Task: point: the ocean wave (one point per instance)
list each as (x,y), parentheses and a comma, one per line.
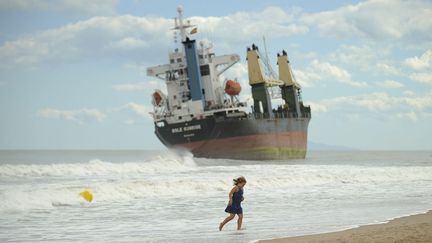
(165,179)
(158,164)
(315,175)
(49,195)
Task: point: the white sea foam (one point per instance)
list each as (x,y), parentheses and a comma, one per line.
(172,177)
(30,198)
(161,163)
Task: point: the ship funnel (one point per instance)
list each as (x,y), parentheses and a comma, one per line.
(193,71)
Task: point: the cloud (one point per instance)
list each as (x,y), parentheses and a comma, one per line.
(130,122)
(423,65)
(374,102)
(361,56)
(366,57)
(326,71)
(131,87)
(425,78)
(130,36)
(129,43)
(408,115)
(79,116)
(408,93)
(420,63)
(386,69)
(420,102)
(383,20)
(138,109)
(306,78)
(241,26)
(134,113)
(80,7)
(317,107)
(142,86)
(379,104)
(391,84)
(96,38)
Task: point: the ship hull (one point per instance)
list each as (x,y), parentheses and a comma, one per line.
(240,138)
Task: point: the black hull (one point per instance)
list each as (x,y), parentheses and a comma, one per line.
(239,138)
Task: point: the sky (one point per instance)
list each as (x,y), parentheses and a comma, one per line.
(73,72)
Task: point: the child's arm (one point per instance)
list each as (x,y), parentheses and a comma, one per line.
(230,195)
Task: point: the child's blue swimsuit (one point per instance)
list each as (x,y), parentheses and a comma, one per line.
(235,207)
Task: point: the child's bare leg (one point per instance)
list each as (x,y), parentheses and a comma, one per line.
(229,218)
(239,221)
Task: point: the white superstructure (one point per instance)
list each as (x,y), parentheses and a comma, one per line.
(177,105)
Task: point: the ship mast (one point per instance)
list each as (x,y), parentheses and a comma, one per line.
(180,25)
(270,73)
(274,90)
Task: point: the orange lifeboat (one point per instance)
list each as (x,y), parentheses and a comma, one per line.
(232,88)
(157,98)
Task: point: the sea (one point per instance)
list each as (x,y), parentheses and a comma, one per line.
(170,196)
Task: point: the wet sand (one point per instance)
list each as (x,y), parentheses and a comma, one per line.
(415,228)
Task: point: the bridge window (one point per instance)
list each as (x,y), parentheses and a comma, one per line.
(205,70)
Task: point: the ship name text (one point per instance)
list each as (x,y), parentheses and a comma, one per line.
(186,129)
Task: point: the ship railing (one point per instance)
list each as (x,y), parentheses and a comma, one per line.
(280,115)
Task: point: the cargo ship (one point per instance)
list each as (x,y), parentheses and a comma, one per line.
(204,115)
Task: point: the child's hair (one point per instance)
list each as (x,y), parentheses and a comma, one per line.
(241,179)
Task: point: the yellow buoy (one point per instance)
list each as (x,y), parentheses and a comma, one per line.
(87,195)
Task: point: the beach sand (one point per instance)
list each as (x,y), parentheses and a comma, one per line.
(415,228)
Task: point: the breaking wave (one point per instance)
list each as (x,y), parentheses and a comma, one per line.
(161,163)
(169,176)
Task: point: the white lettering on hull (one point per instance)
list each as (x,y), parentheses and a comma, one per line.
(186,129)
